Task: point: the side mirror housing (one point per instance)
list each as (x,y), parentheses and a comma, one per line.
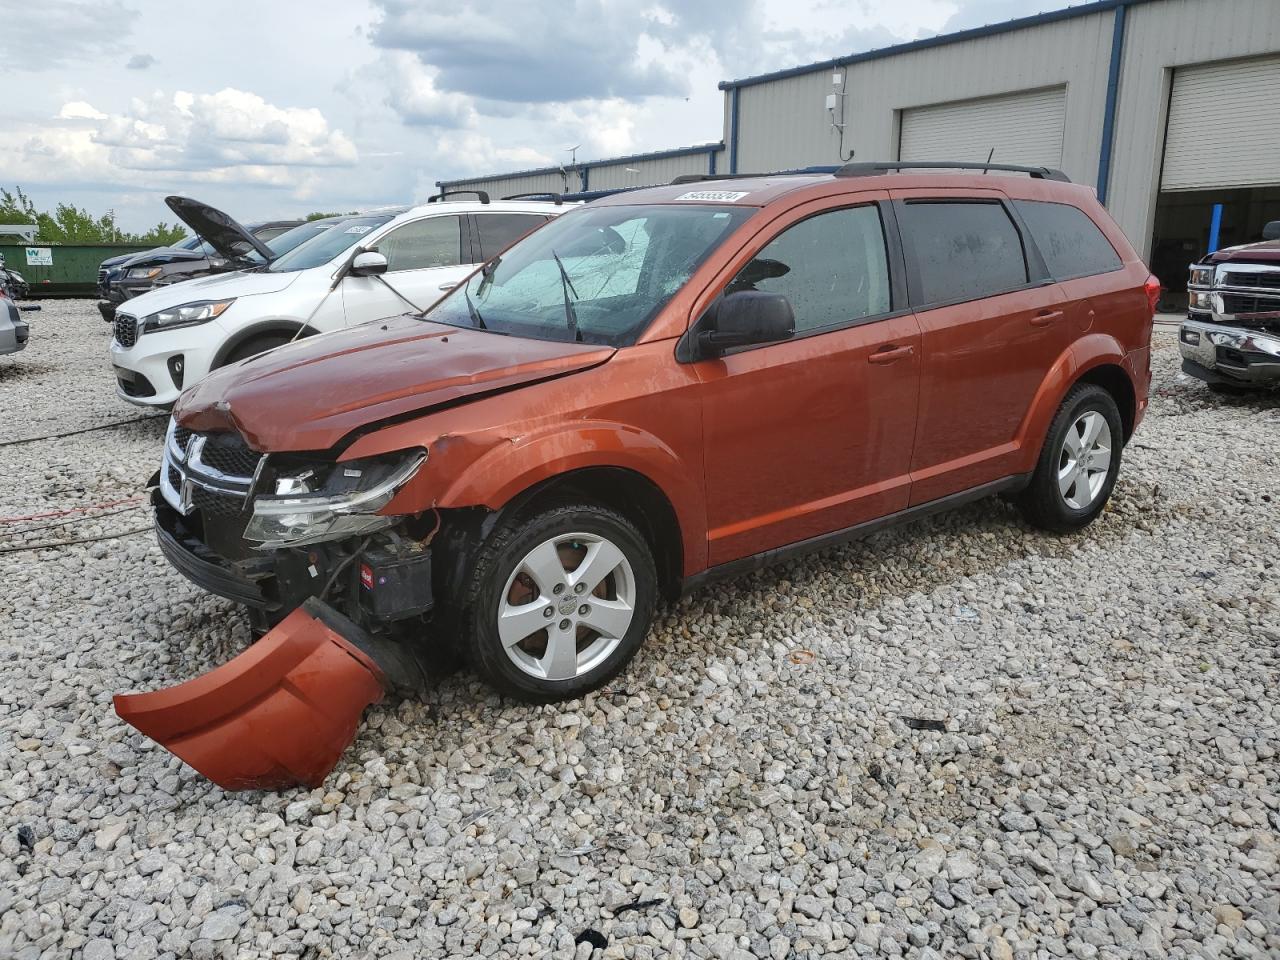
(743,319)
(368,263)
(1271,231)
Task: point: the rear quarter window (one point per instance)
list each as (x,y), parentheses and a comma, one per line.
(499,230)
(963,250)
(1070,242)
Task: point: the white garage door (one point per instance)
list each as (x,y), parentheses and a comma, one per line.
(1224,126)
(1022,127)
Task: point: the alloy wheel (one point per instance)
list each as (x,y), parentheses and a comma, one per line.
(1084,460)
(566,606)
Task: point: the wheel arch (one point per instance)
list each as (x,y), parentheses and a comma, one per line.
(1112,378)
(256,329)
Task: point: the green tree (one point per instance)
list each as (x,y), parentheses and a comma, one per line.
(320,215)
(71,224)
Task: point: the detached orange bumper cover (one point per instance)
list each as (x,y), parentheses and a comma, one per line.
(279,715)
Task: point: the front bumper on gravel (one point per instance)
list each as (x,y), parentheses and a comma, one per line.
(1220,353)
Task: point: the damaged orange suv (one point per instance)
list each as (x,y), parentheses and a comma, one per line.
(663,387)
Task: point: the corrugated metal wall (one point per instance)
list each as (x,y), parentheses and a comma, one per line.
(647,172)
(534,183)
(1160,37)
(785,123)
(1015,128)
(641,171)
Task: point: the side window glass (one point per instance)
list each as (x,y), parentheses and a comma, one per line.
(433,242)
(963,251)
(832,267)
(1070,242)
(500,230)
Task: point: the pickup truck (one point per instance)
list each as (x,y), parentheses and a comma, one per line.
(1231,337)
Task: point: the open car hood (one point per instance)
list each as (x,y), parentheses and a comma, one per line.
(225,235)
(309,395)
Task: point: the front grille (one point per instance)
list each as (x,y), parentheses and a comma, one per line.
(1247,303)
(126,330)
(216,504)
(102,275)
(1269,280)
(180,436)
(228,453)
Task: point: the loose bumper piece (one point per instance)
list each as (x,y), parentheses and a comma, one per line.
(279,715)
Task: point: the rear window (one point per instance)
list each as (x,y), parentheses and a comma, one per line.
(962,250)
(1071,243)
(500,230)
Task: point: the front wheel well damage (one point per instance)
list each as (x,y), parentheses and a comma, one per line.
(1113,379)
(624,491)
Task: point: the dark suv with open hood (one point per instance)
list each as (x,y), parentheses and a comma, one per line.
(219,244)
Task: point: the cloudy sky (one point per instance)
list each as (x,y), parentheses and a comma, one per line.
(283,107)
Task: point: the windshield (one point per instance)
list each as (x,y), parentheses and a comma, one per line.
(320,249)
(615,266)
(295,237)
(188,244)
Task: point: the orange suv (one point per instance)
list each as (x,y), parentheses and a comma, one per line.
(663,387)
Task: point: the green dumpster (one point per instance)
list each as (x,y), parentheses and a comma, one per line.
(64,269)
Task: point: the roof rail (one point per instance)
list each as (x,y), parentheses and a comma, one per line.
(877,167)
(484,197)
(798,172)
(556,198)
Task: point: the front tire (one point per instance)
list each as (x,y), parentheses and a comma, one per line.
(1078,464)
(256,345)
(558,602)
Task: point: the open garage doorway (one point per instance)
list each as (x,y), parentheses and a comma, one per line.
(1183,223)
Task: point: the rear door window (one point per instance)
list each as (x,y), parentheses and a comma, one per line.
(832,267)
(497,231)
(433,242)
(963,250)
(1070,242)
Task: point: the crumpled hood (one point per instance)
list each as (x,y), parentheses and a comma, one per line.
(217,286)
(1268,251)
(309,395)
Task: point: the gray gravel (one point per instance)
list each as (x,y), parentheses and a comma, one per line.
(1105,785)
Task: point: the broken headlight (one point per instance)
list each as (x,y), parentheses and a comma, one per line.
(331,502)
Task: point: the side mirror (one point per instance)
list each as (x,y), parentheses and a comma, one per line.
(368,263)
(1271,231)
(746,318)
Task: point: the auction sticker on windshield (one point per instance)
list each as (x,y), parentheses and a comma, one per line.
(716,196)
(357,229)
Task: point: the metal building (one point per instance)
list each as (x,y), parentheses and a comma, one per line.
(1167,107)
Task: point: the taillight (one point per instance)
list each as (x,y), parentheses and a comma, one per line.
(1152,288)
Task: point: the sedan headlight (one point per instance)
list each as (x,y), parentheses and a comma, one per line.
(186,315)
(143,273)
(310,506)
(1201,276)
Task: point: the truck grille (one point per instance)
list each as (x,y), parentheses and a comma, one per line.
(126,330)
(1269,280)
(1235,303)
(228,454)
(102,275)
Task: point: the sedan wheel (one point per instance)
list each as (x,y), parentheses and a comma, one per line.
(567,606)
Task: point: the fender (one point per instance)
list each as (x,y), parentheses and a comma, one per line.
(1090,351)
(274,325)
(505,466)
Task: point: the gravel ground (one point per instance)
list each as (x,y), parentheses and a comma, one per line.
(757,785)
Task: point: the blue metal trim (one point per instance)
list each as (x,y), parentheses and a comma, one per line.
(1109,110)
(733,131)
(655,155)
(1053,16)
(584,175)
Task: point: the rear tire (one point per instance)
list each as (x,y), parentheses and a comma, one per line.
(256,345)
(557,602)
(1078,464)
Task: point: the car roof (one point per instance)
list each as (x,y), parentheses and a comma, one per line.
(493,206)
(760,190)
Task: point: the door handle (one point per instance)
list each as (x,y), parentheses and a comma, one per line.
(448,286)
(1046,317)
(890,354)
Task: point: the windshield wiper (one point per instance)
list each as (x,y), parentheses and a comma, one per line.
(471,307)
(570,314)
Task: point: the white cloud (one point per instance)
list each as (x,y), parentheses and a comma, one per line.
(53,33)
(79,110)
(226,137)
(413,95)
